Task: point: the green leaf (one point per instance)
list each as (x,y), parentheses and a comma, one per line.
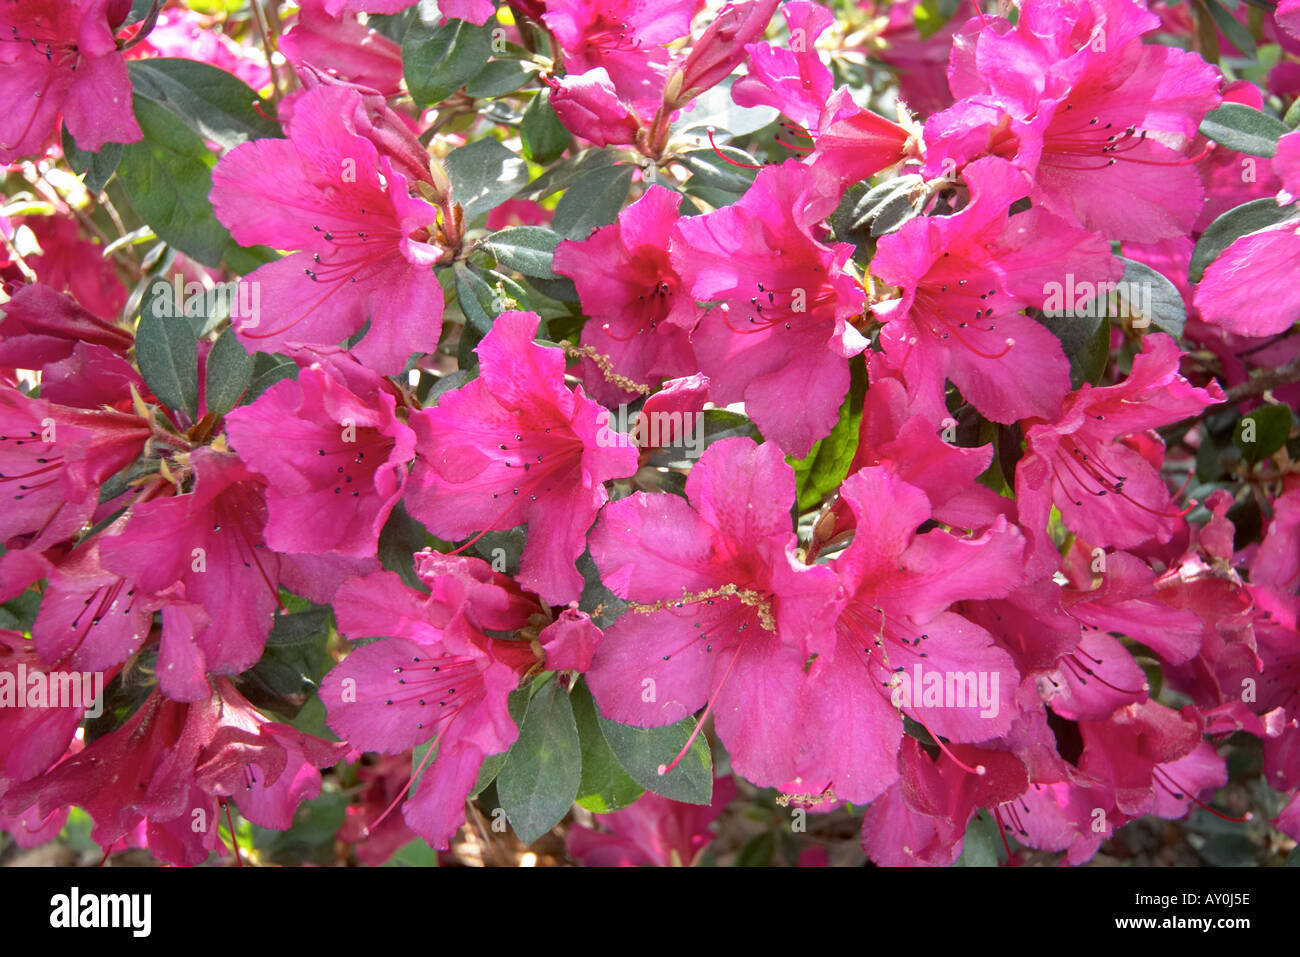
(1262,432)
(757,851)
(526,249)
(216,105)
(500,77)
(1238,127)
(167,177)
(484,175)
(229,371)
(1230,226)
(517,704)
(1161,299)
(594,199)
(542,134)
(294,661)
(477,299)
(399,539)
(97,167)
(709,171)
(1237,34)
(980,845)
(438,60)
(605,785)
(1292,120)
(268,369)
(642,750)
(822,470)
(716,108)
(1085,341)
(542,775)
(166,350)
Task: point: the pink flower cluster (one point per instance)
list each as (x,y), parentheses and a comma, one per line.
(1001,595)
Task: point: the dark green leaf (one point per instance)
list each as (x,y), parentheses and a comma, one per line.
(980,845)
(757,851)
(1262,432)
(527,249)
(167,176)
(268,369)
(605,785)
(642,750)
(517,704)
(1152,299)
(542,134)
(1243,129)
(1086,342)
(399,539)
(166,350)
(216,105)
(98,167)
(439,60)
(825,467)
(229,371)
(484,175)
(1229,26)
(542,774)
(500,77)
(594,199)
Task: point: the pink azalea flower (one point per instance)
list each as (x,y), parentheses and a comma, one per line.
(517,445)
(365,245)
(895,637)
(32,739)
(69,262)
(438,677)
(782,327)
(60,57)
(623,37)
(640,317)
(52,461)
(1245,290)
(210,540)
(921,820)
(1108,493)
(652,831)
(721,608)
(171,762)
(41,326)
(183,33)
(266,768)
(851,142)
(964,280)
(90,618)
(1072,94)
(345,47)
(334,459)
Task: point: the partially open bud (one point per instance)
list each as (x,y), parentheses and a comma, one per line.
(588,107)
(719,50)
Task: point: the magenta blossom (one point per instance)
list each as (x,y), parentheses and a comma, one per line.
(640,316)
(1075,98)
(895,648)
(60,57)
(437,677)
(783,325)
(365,245)
(517,445)
(335,461)
(964,281)
(623,37)
(1106,491)
(721,609)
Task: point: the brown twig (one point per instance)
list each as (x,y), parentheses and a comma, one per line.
(1260,384)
